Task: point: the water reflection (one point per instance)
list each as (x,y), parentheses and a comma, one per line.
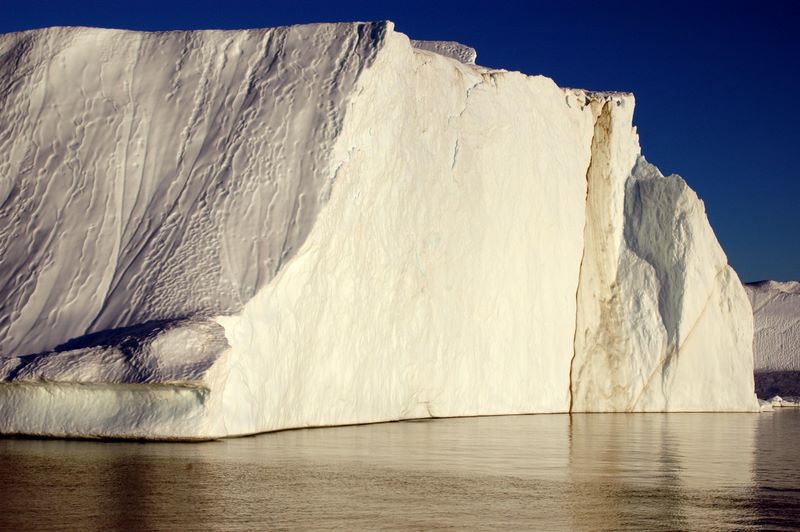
(776,491)
(662,471)
(673,471)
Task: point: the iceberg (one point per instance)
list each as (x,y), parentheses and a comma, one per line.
(218,233)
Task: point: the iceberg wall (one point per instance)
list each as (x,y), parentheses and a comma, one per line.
(226,232)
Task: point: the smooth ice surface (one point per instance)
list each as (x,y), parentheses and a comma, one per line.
(776,345)
(225,232)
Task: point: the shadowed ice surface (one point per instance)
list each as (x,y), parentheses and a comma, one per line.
(610,471)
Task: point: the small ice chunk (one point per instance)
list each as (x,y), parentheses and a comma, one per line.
(783,402)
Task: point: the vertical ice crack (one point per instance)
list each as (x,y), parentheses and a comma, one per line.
(578,285)
(599,135)
(457,145)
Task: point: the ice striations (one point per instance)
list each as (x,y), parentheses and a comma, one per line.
(219,233)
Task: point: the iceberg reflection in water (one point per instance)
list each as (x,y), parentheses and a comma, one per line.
(610,471)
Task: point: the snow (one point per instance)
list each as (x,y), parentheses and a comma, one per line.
(776,344)
(219,233)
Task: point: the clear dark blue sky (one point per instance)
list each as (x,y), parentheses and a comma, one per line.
(716,83)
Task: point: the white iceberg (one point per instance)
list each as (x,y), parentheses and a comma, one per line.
(219,233)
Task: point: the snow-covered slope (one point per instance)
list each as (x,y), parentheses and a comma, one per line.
(216,233)
(776,345)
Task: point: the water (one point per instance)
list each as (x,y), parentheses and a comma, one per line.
(592,472)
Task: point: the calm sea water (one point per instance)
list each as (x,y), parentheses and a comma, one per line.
(591,472)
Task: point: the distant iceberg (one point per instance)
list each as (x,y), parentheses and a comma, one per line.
(776,346)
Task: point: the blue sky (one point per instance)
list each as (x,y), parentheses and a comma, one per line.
(715,82)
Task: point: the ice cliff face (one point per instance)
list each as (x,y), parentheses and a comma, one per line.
(776,311)
(217,233)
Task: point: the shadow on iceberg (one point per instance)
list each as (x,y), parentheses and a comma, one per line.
(177,351)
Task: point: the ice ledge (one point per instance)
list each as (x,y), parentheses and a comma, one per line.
(122,411)
(161,380)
